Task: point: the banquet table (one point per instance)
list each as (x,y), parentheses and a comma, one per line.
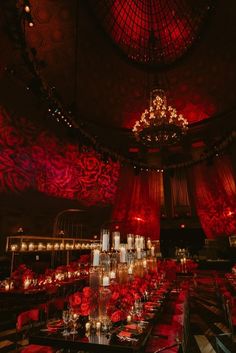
(91,343)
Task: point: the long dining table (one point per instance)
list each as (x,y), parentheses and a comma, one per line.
(94,342)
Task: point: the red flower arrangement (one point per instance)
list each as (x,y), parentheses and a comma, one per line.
(20,275)
(80,301)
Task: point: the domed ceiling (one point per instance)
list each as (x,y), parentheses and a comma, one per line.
(152,31)
(190,46)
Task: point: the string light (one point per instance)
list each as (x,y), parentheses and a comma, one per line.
(66,117)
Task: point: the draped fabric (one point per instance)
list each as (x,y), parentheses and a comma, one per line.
(137,205)
(179,191)
(215,197)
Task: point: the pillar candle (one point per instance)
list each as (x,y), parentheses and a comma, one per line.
(138,253)
(96,254)
(105,241)
(149,244)
(152,251)
(141,242)
(116,242)
(112,274)
(105,281)
(129,243)
(122,254)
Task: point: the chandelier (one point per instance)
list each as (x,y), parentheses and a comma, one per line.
(159,125)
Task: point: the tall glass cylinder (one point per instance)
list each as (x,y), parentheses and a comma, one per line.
(122,273)
(130,241)
(114,258)
(116,241)
(105,239)
(123,253)
(104,298)
(94,284)
(105,262)
(137,241)
(95,260)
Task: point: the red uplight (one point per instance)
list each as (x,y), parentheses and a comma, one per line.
(117,227)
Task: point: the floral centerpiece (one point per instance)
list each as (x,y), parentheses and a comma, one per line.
(20,275)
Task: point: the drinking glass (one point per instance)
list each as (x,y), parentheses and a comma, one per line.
(74,317)
(65,318)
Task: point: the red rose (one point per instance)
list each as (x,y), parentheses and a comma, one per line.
(85,309)
(115,295)
(86,292)
(117,316)
(75,299)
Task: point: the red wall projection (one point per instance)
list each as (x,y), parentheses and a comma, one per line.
(31,158)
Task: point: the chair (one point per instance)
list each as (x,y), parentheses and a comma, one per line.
(224,343)
(24,324)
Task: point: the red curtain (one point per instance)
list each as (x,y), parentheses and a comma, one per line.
(137,205)
(179,192)
(215,197)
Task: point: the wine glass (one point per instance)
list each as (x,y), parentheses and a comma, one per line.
(65,318)
(74,317)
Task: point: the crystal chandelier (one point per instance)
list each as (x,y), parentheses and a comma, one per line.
(159,125)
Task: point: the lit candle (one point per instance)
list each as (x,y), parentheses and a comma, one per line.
(77,245)
(149,244)
(14,247)
(87,327)
(7,287)
(26,283)
(153,251)
(67,246)
(62,246)
(130,270)
(31,247)
(23,247)
(117,241)
(112,274)
(137,241)
(105,281)
(129,242)
(139,253)
(122,254)
(141,242)
(40,246)
(96,254)
(98,326)
(144,263)
(105,241)
(129,318)
(49,246)
(56,246)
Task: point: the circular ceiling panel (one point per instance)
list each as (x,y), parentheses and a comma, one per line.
(152,32)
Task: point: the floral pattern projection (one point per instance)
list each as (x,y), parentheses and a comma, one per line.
(31,158)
